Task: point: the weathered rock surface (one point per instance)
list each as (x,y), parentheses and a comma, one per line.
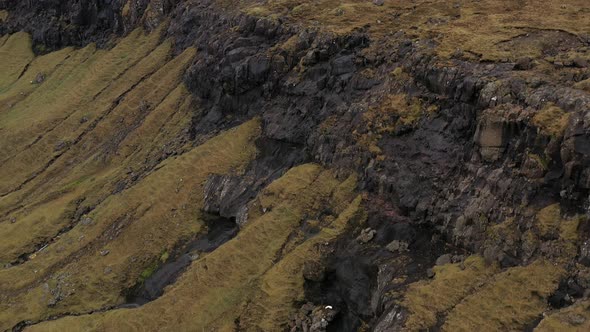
(470,150)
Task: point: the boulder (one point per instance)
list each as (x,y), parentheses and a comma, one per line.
(444,259)
(366,235)
(397,246)
(489,136)
(584,257)
(343,65)
(430,273)
(457,258)
(314,271)
(580,62)
(258,68)
(194,255)
(533,167)
(40,78)
(524,63)
(86,221)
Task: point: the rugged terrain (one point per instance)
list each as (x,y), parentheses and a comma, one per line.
(291,165)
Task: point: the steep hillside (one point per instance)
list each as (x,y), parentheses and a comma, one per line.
(294,165)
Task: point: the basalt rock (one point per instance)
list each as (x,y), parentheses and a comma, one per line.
(85,21)
(490,138)
(228,195)
(56,24)
(478,160)
(475,155)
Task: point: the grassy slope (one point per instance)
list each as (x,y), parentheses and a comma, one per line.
(478,297)
(65,79)
(425,300)
(217,288)
(16,54)
(133,104)
(154,220)
(115,110)
(78,163)
(82,88)
(102,115)
(510,301)
(575,318)
(483,296)
(485,28)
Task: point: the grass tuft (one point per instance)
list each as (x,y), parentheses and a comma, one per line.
(552,121)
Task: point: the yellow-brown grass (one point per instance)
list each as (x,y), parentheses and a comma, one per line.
(116,109)
(508,302)
(575,318)
(84,88)
(15,55)
(451,284)
(154,214)
(551,120)
(487,29)
(217,288)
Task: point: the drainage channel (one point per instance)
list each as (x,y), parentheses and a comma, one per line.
(219,231)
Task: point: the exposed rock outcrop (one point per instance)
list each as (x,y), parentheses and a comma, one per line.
(490,157)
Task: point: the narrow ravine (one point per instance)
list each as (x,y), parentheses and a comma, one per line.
(219,231)
(308,166)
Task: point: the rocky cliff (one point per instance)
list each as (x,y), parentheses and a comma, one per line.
(388,165)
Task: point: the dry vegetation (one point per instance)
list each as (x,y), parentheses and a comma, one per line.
(68,141)
(425,300)
(507,302)
(575,318)
(16,53)
(485,30)
(392,113)
(583,85)
(72,143)
(562,231)
(479,296)
(551,120)
(265,281)
(97,118)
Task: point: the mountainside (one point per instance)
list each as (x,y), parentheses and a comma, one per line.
(202,165)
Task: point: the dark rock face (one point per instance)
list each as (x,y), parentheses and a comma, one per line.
(54,24)
(228,195)
(84,21)
(475,162)
(490,138)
